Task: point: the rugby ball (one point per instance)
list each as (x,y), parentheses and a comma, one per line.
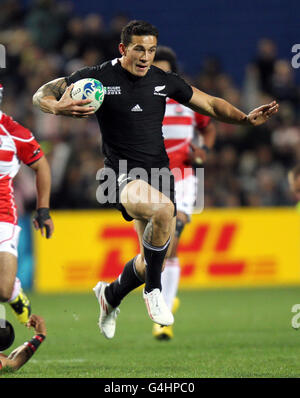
(89,89)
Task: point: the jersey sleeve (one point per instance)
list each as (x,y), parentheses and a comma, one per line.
(28,149)
(83,73)
(179,89)
(201,120)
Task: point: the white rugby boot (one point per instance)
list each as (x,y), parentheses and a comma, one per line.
(108,314)
(157,308)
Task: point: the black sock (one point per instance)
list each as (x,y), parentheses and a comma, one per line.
(126,282)
(154,258)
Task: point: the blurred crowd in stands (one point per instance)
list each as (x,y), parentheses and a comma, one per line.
(248,167)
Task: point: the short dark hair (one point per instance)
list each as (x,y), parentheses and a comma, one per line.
(137,28)
(164,53)
(7,335)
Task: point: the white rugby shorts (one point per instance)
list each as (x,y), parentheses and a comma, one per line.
(185,194)
(9,238)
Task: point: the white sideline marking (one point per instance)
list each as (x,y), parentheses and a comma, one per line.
(58,360)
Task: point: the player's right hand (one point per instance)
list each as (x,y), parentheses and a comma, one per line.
(68,107)
(38,323)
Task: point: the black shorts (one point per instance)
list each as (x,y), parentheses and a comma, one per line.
(111,185)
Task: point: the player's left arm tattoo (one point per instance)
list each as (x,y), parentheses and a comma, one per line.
(54,89)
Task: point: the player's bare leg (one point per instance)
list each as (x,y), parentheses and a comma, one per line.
(8,270)
(10,287)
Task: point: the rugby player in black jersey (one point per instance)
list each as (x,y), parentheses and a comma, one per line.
(130,120)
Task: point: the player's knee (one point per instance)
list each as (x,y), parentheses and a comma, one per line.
(163,216)
(5,294)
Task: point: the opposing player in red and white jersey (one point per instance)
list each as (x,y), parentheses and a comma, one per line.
(179,126)
(18,144)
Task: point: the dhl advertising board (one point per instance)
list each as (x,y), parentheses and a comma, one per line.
(219,248)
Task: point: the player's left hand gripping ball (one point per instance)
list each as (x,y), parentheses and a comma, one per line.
(43,220)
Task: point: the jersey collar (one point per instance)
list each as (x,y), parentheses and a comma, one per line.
(129,75)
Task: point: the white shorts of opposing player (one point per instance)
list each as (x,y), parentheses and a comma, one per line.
(9,238)
(185,193)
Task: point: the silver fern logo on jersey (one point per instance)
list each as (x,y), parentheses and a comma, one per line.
(158,89)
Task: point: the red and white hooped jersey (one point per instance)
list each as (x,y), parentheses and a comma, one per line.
(16,144)
(178,130)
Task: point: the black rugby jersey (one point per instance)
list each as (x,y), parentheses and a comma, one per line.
(132,112)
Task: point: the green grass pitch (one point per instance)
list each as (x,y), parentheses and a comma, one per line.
(243,333)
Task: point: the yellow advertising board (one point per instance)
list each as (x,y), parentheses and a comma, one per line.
(243,247)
